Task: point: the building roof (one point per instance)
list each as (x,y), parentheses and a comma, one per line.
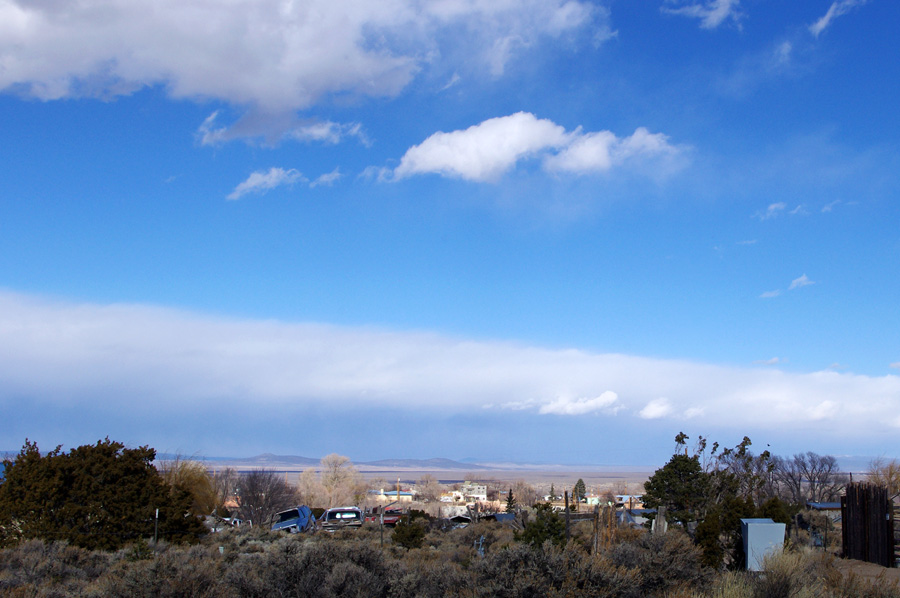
(824,506)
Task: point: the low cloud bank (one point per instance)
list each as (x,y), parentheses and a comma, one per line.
(96,355)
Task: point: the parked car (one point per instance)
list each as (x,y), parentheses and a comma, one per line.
(340,518)
(294,520)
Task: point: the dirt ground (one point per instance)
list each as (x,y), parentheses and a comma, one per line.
(867,571)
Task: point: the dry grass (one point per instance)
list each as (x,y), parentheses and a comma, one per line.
(254,562)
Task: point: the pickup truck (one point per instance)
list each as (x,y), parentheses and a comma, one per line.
(340,518)
(391,516)
(294,520)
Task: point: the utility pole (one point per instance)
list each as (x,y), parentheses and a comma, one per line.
(382,521)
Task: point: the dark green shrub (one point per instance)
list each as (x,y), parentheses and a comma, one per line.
(428,578)
(194,571)
(524,571)
(95,496)
(519,571)
(666,562)
(546,526)
(313,567)
(50,566)
(409,534)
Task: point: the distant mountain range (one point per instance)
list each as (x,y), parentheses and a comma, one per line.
(422,464)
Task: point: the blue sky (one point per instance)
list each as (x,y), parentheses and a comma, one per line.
(542,230)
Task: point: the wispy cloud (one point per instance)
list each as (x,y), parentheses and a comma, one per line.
(90,356)
(783,53)
(800,282)
(771,361)
(773,210)
(711,13)
(326,179)
(486,151)
(838,8)
(274,128)
(265,180)
(454,80)
(797,283)
(896,365)
(755,68)
(830,206)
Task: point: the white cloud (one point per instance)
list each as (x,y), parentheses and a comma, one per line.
(484,152)
(830,206)
(592,152)
(711,13)
(800,282)
(770,294)
(896,365)
(657,409)
(262,181)
(272,55)
(88,356)
(838,8)
(567,406)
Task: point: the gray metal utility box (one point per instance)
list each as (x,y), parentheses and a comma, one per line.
(761,537)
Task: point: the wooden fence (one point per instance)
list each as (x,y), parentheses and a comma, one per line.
(867,524)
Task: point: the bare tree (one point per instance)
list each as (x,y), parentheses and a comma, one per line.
(225,483)
(788,480)
(311,488)
(428,488)
(885,473)
(824,477)
(808,477)
(341,482)
(192,476)
(263,493)
(525,493)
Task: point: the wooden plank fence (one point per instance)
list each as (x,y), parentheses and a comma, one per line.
(896,535)
(868,524)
